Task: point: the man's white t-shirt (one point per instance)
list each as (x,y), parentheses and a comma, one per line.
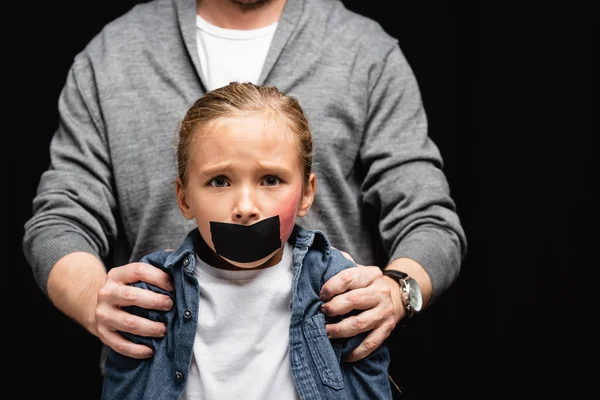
(228,55)
(242,338)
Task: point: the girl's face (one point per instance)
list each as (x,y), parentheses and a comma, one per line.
(245,169)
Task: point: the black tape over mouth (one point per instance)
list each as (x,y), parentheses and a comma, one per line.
(246,243)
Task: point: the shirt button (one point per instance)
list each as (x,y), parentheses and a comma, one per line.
(178,376)
(186,261)
(187,314)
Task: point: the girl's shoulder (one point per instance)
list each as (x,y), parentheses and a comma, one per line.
(319,254)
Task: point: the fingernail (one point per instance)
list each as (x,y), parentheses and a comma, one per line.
(168,303)
(148,354)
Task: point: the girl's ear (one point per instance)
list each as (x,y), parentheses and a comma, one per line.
(308,195)
(182,200)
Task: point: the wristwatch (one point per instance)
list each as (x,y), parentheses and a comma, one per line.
(412,299)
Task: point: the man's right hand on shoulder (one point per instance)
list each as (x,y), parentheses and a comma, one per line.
(80,287)
(117,293)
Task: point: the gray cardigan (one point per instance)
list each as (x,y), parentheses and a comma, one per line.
(109,191)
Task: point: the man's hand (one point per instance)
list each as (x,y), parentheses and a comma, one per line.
(79,286)
(362,288)
(116,293)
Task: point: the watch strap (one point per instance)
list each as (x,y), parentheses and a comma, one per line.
(395,274)
(401,277)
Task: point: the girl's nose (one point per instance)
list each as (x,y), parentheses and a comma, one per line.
(245,211)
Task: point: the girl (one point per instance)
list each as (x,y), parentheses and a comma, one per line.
(246,323)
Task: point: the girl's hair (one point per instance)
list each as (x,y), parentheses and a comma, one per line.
(238,99)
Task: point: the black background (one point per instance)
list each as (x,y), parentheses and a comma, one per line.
(508,94)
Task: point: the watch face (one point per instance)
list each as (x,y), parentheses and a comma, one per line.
(414,295)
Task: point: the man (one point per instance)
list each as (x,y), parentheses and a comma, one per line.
(107,198)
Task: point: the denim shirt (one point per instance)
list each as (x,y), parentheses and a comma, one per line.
(317,365)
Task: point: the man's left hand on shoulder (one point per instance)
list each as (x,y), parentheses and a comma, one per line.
(379,298)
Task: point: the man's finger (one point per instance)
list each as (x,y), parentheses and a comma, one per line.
(350,278)
(123,346)
(355,324)
(136,272)
(370,343)
(357,299)
(123,296)
(126,322)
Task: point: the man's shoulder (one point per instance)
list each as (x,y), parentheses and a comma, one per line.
(136,27)
(349,24)
(141,14)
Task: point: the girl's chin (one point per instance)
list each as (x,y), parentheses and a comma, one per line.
(265,262)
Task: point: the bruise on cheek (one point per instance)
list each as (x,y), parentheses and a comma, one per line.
(287,215)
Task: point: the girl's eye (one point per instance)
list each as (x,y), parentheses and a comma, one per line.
(219,182)
(271,180)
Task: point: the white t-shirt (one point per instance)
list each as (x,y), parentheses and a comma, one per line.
(242,338)
(228,55)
